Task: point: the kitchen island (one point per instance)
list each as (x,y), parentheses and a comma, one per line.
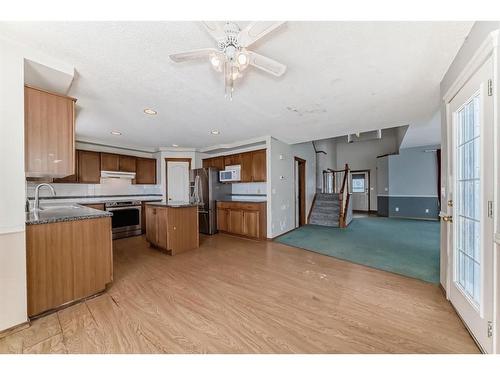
(172,226)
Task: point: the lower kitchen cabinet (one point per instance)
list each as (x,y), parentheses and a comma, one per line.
(67,261)
(246,219)
(174,229)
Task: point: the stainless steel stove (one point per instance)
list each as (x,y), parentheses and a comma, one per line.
(126,220)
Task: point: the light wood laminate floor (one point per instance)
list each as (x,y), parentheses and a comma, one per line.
(240,296)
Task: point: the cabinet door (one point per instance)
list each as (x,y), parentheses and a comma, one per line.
(246,167)
(251,224)
(222,217)
(127,163)
(71,179)
(161,227)
(259,166)
(89,167)
(145,171)
(110,162)
(49,134)
(217,162)
(151,224)
(232,159)
(235,221)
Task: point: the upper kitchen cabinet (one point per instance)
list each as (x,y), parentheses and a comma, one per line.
(110,162)
(217,162)
(246,166)
(49,133)
(89,167)
(259,173)
(232,159)
(145,171)
(127,163)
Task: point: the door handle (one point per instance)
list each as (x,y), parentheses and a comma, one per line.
(448,219)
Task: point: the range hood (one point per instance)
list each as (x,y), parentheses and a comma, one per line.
(113,174)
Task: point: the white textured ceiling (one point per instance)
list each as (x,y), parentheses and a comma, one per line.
(342,77)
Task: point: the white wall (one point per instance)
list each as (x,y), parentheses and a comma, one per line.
(323,162)
(363,155)
(12,219)
(281,198)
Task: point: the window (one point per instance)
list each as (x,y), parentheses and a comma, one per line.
(358,183)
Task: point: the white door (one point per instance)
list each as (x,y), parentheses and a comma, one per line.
(360,190)
(471,287)
(178,181)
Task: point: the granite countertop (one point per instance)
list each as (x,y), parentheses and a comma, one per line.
(172,204)
(242,200)
(58,212)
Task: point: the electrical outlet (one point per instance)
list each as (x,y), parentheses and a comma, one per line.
(426,210)
(396,209)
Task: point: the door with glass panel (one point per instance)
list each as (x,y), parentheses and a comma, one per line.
(360,190)
(471,287)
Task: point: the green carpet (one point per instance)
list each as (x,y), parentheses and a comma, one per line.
(406,247)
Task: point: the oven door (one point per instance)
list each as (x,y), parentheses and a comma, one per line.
(126,221)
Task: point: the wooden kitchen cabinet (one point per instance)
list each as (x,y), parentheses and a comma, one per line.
(217,162)
(232,160)
(246,219)
(71,179)
(173,229)
(127,163)
(246,166)
(110,162)
(67,261)
(49,133)
(253,164)
(145,171)
(89,167)
(222,219)
(259,171)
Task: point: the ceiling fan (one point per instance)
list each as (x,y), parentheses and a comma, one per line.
(232,55)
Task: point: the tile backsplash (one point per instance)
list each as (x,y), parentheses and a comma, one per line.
(107,186)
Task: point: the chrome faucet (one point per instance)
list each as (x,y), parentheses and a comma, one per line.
(37,194)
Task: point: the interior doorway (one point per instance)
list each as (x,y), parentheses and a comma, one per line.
(300,192)
(177,179)
(360,190)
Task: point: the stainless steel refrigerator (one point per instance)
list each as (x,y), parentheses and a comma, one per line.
(205,189)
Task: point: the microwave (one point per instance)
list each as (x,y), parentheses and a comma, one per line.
(232,173)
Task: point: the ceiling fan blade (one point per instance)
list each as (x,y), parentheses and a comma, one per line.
(215,29)
(256,30)
(266,64)
(192,55)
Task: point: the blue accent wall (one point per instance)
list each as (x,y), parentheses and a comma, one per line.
(408,207)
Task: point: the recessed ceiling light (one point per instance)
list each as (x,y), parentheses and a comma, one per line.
(150,111)
(215,132)
(174,145)
(116,132)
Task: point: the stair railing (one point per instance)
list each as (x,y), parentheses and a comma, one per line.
(344,198)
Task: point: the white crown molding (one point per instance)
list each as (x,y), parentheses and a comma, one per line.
(100,143)
(477,60)
(229,146)
(176,149)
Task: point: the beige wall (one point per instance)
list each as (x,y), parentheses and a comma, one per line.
(12,194)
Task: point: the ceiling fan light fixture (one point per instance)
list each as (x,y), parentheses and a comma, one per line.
(242,59)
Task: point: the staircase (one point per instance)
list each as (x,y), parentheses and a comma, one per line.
(325,210)
(331,207)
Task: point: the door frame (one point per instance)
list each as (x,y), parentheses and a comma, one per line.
(488,49)
(369,185)
(167,160)
(302,190)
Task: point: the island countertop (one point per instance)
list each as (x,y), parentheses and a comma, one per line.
(57,212)
(175,204)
